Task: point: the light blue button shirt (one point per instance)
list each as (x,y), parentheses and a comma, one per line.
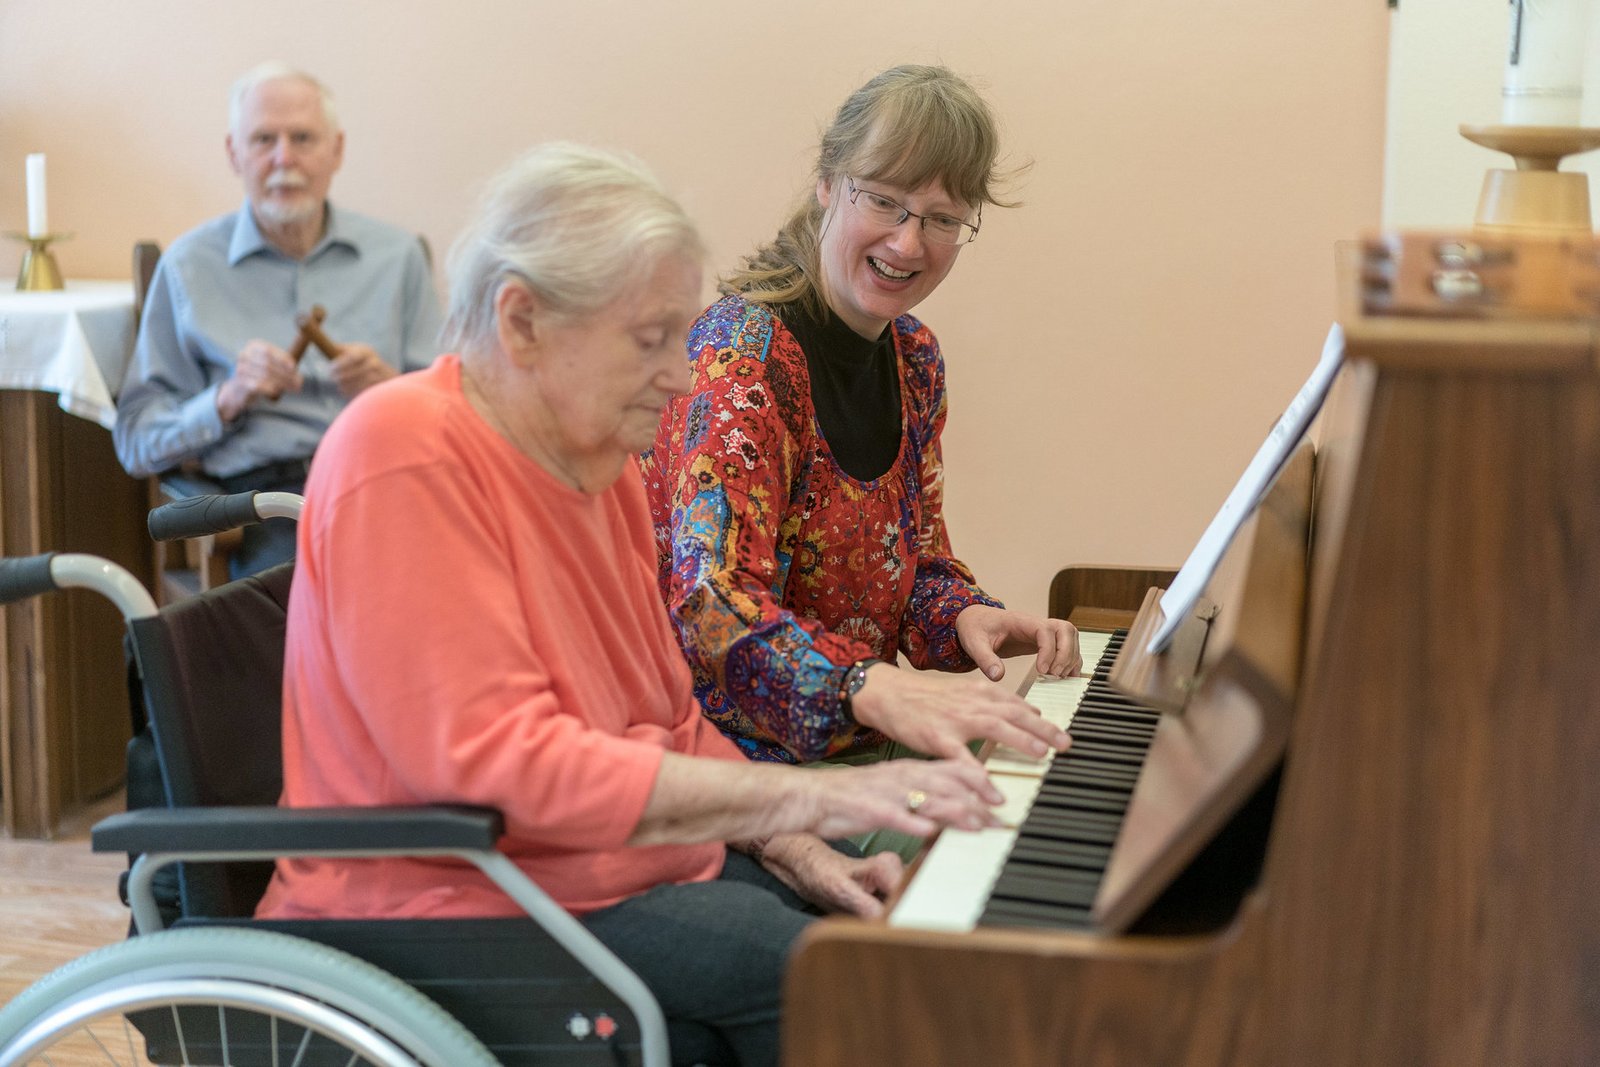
(222,285)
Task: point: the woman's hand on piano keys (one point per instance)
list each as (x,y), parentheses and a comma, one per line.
(830,879)
(941,714)
(987,634)
(914,796)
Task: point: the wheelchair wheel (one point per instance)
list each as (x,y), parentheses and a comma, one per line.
(229,996)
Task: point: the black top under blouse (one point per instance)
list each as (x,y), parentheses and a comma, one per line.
(855,388)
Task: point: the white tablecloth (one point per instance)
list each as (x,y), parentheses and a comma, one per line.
(75,342)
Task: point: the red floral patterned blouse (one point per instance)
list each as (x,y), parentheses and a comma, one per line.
(779,570)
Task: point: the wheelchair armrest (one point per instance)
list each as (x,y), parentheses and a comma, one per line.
(299,831)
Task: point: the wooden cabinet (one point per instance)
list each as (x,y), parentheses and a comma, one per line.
(64,717)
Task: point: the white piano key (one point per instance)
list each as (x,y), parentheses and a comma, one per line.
(1056,699)
(1019,791)
(949,892)
(1092,646)
(953,883)
(1005,760)
(958,853)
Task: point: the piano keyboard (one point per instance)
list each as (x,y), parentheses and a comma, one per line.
(1061,814)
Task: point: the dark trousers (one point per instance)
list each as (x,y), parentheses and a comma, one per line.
(265,544)
(713,953)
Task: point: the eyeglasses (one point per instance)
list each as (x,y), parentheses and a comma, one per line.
(943,229)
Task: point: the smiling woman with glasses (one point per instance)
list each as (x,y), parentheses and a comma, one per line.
(797,489)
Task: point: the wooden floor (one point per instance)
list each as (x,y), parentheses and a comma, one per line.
(58,900)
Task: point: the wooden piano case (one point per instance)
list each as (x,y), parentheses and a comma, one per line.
(1424,887)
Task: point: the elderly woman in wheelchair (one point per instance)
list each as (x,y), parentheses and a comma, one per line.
(474,621)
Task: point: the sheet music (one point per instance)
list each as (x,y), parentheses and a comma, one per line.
(1179,600)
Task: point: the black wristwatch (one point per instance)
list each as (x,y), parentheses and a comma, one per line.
(854,678)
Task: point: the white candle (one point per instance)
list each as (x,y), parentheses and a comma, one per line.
(38,226)
(1544,63)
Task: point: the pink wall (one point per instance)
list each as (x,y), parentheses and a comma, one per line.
(1117,347)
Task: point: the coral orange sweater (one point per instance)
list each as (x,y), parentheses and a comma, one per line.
(465,628)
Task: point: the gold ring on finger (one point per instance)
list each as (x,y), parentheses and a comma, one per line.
(915,798)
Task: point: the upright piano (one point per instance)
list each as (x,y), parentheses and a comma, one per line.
(1365,828)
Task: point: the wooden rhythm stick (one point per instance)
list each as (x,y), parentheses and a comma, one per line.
(310,324)
(303,339)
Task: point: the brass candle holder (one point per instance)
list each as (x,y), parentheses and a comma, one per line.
(39,271)
(1536,199)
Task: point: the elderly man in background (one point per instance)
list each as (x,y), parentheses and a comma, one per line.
(212,382)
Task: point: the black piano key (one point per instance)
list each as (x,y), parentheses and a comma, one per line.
(1088,789)
(1045,834)
(1093,764)
(1109,809)
(1039,890)
(1065,841)
(1110,717)
(1042,895)
(1099,704)
(1071,762)
(1107,695)
(1110,734)
(1088,776)
(1119,754)
(1080,799)
(1061,835)
(1101,717)
(1043,855)
(1111,726)
(1121,716)
(1113,713)
(1109,700)
(1060,853)
(1030,913)
(1084,772)
(1084,834)
(1067,817)
(1054,811)
(1057,806)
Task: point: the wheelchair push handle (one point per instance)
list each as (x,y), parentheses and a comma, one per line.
(197,516)
(22,577)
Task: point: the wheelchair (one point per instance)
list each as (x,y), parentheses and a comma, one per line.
(219,987)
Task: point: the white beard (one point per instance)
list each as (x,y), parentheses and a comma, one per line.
(292,213)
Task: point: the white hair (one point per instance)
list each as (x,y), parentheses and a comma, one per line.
(270,71)
(578,225)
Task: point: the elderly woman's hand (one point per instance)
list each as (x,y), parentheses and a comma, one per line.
(941,714)
(987,634)
(914,796)
(830,879)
